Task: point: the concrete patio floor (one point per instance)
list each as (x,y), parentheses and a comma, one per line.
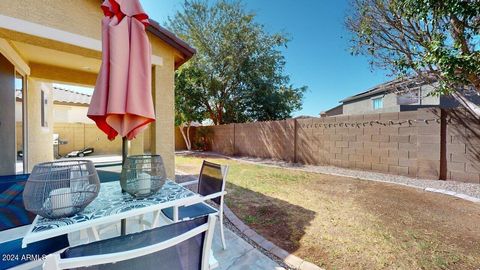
(238,255)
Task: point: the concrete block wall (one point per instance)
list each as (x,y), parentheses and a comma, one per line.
(273,139)
(359,142)
(463,147)
(416,143)
(180,142)
(223,139)
(428,144)
(80,136)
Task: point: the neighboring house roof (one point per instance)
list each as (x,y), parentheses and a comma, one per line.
(383,88)
(65,96)
(304,117)
(337,110)
(404,85)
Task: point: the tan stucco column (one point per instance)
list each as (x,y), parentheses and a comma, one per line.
(40,138)
(136,145)
(162,130)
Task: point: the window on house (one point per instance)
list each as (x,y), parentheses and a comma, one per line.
(377,103)
(43,108)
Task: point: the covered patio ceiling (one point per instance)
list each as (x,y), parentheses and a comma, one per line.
(55,61)
(47,56)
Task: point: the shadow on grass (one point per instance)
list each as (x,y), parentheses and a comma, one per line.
(277,220)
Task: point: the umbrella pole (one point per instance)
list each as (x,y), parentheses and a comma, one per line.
(124,149)
(123,223)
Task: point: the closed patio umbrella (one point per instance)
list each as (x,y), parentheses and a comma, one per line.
(122,100)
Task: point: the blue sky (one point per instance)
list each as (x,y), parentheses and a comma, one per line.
(318,53)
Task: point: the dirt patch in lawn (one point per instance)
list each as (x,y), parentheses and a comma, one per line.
(346,223)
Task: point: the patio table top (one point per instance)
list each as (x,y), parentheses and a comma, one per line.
(111,205)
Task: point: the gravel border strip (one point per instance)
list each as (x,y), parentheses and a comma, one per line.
(277,254)
(465,191)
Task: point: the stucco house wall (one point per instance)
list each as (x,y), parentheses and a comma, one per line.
(70,114)
(61,114)
(60,41)
(365,105)
(40,147)
(390,104)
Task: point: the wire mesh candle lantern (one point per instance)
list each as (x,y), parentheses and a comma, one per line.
(143,175)
(61,188)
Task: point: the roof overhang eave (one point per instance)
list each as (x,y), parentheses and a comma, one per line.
(168,37)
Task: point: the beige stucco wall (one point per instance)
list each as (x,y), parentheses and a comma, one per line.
(389,103)
(80,17)
(73,134)
(76,16)
(61,113)
(56,74)
(83,17)
(147,142)
(429,100)
(80,136)
(163,133)
(40,146)
(366,105)
(137,145)
(70,114)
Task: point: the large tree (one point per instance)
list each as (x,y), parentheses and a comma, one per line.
(430,40)
(188,98)
(239,67)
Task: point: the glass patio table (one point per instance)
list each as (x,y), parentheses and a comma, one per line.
(111,205)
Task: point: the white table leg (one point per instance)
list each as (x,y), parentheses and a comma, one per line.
(156,219)
(93,233)
(175,214)
(83,234)
(141,221)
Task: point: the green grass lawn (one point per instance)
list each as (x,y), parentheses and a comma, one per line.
(346,223)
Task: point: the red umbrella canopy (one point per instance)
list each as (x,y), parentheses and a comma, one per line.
(122,100)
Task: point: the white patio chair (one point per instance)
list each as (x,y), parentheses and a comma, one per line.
(211,185)
(183,245)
